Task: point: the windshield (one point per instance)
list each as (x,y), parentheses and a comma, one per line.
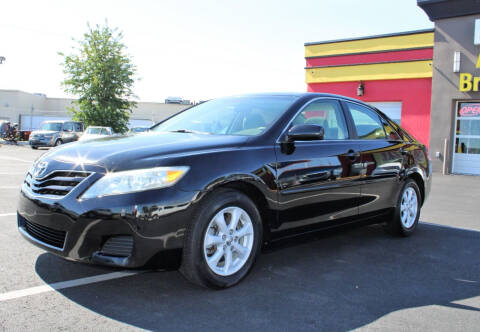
(52,126)
(139,129)
(247,116)
(94,131)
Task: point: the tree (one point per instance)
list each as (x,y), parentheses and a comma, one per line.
(102,76)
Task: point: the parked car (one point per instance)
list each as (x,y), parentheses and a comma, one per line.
(54,133)
(136,130)
(93,132)
(218,180)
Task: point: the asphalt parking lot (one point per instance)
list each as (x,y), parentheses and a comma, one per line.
(356,278)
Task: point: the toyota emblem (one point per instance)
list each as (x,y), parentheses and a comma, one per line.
(39,169)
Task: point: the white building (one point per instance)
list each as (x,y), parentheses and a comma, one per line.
(29,110)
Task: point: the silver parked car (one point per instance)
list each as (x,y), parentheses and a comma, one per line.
(94,132)
(53,133)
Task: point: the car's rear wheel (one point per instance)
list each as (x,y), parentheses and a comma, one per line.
(407,211)
(223,240)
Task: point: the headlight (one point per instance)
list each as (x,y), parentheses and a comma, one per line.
(137,180)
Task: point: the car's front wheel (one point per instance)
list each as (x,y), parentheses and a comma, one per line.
(223,240)
(407,211)
(58,142)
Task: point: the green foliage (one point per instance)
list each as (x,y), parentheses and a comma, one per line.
(102,76)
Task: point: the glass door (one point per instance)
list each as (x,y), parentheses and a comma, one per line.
(466,158)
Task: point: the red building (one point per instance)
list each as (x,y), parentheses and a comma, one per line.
(392,72)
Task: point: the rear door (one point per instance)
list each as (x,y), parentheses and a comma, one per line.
(318,180)
(78,129)
(382,155)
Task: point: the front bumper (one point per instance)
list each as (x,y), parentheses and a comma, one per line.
(41,142)
(79,230)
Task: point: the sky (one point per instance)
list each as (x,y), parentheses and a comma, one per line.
(192,49)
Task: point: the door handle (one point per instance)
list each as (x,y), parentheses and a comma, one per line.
(352,154)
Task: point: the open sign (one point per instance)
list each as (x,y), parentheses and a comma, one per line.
(470,110)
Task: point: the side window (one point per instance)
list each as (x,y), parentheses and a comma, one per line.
(367,122)
(78,127)
(325,113)
(68,126)
(403,134)
(391,133)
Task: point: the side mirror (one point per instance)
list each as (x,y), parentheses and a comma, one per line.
(305,132)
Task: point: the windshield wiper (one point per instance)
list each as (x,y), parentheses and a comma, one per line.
(188,131)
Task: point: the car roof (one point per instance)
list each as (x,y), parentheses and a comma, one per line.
(300,95)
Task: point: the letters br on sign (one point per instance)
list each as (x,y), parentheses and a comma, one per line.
(468,82)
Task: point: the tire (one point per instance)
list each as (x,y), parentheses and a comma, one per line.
(34,147)
(405,220)
(58,142)
(221,203)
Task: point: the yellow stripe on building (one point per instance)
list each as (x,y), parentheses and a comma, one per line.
(371,45)
(378,71)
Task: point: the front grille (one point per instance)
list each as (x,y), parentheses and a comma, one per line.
(57,183)
(119,246)
(45,234)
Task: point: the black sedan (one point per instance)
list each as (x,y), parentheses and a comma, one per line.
(220,179)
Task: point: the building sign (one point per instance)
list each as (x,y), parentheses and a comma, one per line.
(470,110)
(468,82)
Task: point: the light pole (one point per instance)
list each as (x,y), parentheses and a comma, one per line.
(2,58)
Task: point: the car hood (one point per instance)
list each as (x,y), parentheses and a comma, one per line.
(136,151)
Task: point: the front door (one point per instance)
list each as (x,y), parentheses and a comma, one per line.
(466,157)
(318,181)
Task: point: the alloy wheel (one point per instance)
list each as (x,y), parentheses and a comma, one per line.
(228,241)
(409,207)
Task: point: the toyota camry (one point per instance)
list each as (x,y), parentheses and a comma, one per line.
(220,179)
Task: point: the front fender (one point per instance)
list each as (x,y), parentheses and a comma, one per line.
(262,184)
